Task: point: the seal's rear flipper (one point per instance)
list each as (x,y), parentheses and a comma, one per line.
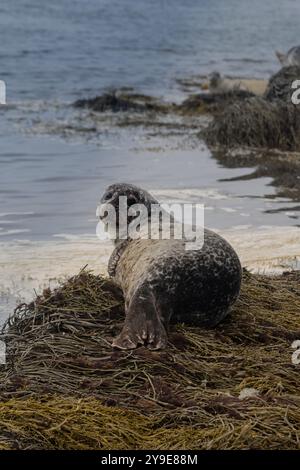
(143,325)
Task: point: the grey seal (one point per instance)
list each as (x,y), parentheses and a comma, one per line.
(239,86)
(162,281)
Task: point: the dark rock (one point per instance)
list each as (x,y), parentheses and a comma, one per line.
(120,102)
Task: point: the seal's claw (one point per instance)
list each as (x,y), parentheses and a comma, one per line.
(123,343)
(144,335)
(127,340)
(134,334)
(157,336)
(159,342)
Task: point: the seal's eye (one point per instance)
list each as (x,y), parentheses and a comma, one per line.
(131,200)
(108,196)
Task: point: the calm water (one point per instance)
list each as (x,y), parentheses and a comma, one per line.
(52,173)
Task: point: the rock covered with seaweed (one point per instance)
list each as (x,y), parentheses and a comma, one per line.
(240,117)
(272,121)
(256,122)
(212,103)
(121,101)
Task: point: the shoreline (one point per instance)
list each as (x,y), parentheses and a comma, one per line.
(29,267)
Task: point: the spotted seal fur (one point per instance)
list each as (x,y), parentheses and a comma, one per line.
(163,281)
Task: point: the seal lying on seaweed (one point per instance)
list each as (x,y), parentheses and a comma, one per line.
(162,280)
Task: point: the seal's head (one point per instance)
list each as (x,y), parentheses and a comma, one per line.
(215,80)
(292,57)
(134,194)
(115,204)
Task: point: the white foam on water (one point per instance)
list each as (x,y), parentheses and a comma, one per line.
(266,249)
(13,232)
(242,227)
(188,195)
(71,237)
(8,214)
(228,209)
(291,214)
(27,266)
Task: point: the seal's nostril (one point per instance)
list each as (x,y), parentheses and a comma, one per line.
(101,212)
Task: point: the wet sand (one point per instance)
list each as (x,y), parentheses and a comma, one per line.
(256,86)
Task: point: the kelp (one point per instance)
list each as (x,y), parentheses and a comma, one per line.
(231,387)
(272,121)
(212,103)
(256,123)
(119,101)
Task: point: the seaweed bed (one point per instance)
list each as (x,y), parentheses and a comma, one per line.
(117,101)
(232,387)
(240,118)
(256,122)
(212,103)
(120,101)
(272,121)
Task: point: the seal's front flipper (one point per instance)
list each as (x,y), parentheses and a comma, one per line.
(143,325)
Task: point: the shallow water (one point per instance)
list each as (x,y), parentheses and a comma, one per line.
(50,185)
(58,49)
(55,162)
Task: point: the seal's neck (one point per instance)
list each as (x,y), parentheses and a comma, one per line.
(120,247)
